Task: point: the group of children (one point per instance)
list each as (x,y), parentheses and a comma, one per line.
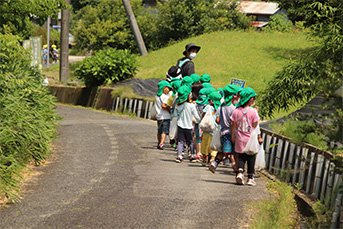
(52,52)
(187,100)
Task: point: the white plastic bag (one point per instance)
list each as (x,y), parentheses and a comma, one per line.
(251,147)
(216,143)
(207,123)
(153,112)
(173,128)
(260,162)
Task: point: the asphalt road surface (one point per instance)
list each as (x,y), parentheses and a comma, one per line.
(107,173)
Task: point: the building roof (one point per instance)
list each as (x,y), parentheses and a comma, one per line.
(251,7)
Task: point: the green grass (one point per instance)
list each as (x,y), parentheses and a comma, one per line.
(280,211)
(251,56)
(255,57)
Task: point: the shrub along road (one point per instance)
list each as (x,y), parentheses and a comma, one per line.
(107,173)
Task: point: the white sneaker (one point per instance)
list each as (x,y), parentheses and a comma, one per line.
(213,167)
(251,182)
(240,179)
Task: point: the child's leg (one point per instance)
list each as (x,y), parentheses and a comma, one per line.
(242,158)
(180,141)
(164,131)
(197,141)
(213,155)
(251,165)
(190,142)
(234,161)
(205,147)
(159,132)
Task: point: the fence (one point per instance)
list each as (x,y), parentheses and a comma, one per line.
(306,167)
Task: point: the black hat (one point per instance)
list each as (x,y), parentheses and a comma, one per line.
(190,46)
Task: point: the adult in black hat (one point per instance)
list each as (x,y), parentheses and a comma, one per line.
(185,63)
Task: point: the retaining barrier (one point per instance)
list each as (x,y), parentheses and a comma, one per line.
(306,167)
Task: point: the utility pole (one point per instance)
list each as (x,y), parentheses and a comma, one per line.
(64,60)
(135,28)
(48,41)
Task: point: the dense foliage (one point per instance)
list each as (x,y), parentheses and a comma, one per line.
(107,67)
(279,22)
(321,71)
(27,115)
(103,25)
(16,16)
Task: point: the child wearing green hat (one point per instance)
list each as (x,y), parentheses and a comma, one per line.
(197,135)
(184,111)
(214,102)
(163,112)
(205,78)
(224,113)
(244,119)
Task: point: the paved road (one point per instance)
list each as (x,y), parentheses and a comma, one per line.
(107,173)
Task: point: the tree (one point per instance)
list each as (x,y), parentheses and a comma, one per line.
(106,25)
(16,16)
(321,71)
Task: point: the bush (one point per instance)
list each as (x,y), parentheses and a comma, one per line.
(279,22)
(107,67)
(302,131)
(55,36)
(27,115)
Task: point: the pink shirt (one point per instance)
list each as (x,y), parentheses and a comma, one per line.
(244,118)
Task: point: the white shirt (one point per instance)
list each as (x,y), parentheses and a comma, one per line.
(162,113)
(186,111)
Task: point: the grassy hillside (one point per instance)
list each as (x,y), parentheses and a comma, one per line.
(251,56)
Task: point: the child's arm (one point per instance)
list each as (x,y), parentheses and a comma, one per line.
(166,107)
(218,120)
(260,140)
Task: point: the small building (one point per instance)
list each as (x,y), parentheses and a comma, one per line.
(261,11)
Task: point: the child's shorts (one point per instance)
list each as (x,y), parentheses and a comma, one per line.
(163,126)
(228,147)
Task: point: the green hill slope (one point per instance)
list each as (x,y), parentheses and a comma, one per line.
(251,56)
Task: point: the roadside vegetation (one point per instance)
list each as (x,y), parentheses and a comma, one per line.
(279,211)
(27,111)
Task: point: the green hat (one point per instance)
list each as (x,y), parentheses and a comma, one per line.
(195,78)
(205,78)
(229,91)
(162,84)
(175,84)
(215,97)
(203,95)
(207,85)
(183,93)
(187,81)
(245,94)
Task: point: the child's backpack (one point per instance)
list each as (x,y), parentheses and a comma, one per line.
(175,71)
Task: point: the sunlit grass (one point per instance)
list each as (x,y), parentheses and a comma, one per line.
(251,56)
(254,57)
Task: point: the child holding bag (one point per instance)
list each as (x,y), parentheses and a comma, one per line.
(224,113)
(214,102)
(244,119)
